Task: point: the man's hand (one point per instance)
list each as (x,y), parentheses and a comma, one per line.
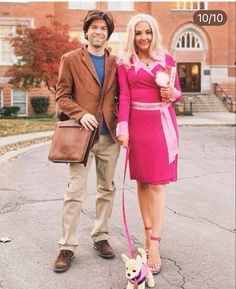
(123,140)
(89,121)
(166,93)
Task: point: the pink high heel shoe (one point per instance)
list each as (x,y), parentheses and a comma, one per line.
(155,268)
(147,228)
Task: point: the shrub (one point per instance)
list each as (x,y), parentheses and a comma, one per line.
(10,110)
(40,104)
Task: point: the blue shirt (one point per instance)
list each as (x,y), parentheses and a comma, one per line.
(99,64)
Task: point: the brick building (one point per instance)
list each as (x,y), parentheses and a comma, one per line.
(205,54)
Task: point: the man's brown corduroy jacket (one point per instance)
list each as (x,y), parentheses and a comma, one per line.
(78,88)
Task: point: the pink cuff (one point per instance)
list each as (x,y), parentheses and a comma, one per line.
(122,128)
(176,94)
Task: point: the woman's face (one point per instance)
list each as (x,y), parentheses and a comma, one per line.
(143,36)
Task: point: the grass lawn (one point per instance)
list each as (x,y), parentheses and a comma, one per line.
(21,126)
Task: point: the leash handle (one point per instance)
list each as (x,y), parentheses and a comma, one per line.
(130,245)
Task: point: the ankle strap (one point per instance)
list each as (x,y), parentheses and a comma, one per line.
(147,228)
(155,238)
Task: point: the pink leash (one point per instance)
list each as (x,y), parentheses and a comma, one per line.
(131,248)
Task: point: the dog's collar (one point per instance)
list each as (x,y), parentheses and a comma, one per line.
(136,280)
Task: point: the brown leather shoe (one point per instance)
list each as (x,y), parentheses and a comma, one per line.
(63,261)
(104,249)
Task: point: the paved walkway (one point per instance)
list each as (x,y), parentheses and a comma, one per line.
(199,119)
(208,119)
(198,240)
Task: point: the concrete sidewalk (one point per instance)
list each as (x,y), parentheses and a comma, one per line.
(208,119)
(13,139)
(198,119)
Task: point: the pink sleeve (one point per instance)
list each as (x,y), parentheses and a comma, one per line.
(177,90)
(122,128)
(124,102)
(124,94)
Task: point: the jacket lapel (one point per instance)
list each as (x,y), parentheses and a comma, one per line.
(108,69)
(88,62)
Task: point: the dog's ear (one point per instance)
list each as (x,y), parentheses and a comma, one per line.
(139,261)
(141,251)
(124,258)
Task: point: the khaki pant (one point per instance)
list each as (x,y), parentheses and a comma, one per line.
(106,153)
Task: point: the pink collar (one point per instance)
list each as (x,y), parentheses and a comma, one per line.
(138,64)
(141,277)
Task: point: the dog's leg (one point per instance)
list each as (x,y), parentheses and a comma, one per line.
(150,282)
(141,286)
(130,286)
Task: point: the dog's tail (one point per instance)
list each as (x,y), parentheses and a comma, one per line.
(143,255)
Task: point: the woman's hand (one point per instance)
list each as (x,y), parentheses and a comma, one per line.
(166,93)
(123,140)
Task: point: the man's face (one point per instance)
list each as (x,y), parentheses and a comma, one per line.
(97,33)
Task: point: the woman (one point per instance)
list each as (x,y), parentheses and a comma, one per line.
(147,124)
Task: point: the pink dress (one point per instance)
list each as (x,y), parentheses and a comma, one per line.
(150,123)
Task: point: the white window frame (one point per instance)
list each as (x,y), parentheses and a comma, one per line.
(1,97)
(123,6)
(188,48)
(82,5)
(26,101)
(191,6)
(1,51)
(12,22)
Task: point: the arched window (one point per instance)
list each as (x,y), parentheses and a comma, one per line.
(189,40)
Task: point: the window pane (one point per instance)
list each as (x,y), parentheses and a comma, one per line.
(120,6)
(19,95)
(5,30)
(187,5)
(22,106)
(202,5)
(190,5)
(188,40)
(7,52)
(195,5)
(181,5)
(174,5)
(19,99)
(85,5)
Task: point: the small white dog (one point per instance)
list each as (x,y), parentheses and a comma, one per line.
(137,271)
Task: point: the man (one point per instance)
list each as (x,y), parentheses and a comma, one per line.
(84,75)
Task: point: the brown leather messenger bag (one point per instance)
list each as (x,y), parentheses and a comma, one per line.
(71,142)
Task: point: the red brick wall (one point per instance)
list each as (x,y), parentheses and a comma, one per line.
(221,39)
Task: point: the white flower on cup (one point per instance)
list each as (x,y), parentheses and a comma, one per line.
(162,79)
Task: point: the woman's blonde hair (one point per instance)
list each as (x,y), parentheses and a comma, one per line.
(156,50)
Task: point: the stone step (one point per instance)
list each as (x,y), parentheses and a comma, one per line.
(209,110)
(204,103)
